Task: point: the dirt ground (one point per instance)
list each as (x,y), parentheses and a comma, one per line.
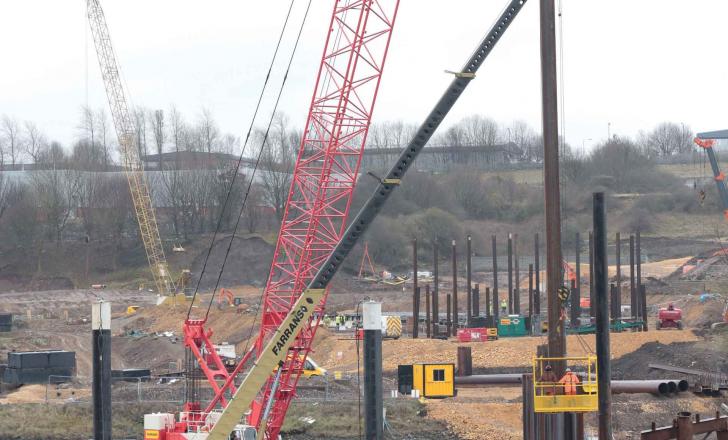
(151,338)
(339,353)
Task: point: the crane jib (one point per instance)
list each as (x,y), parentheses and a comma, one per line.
(261,371)
(274,353)
(292,329)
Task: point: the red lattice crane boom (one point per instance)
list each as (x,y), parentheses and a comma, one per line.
(324,177)
(314,239)
(318,201)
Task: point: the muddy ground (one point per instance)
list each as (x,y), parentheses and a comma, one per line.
(150,338)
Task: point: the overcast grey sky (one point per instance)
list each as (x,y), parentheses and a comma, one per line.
(631,63)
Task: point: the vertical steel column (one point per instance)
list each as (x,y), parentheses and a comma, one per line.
(578,269)
(476,300)
(416,313)
(455,311)
(550,115)
(530,298)
(448,322)
(613,302)
(643,302)
(510,274)
(428,322)
(469,296)
(101,366)
(638,283)
(592,300)
(465,361)
(488,304)
(684,426)
(574,302)
(618,304)
(516,278)
(435,292)
(602,329)
(373,405)
(415,292)
(634,306)
(529,426)
(495,310)
(537,268)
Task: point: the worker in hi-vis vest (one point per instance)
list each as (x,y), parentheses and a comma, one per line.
(504,306)
(570,381)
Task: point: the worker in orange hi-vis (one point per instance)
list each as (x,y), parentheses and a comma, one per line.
(548,381)
(570,382)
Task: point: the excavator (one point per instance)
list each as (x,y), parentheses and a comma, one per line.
(253,405)
(706,141)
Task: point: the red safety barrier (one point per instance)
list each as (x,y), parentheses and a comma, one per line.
(477,334)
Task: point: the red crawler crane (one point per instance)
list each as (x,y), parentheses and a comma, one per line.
(318,202)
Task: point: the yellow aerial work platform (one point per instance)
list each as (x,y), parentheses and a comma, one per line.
(564,395)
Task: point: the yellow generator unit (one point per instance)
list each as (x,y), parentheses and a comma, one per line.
(431,380)
(575,391)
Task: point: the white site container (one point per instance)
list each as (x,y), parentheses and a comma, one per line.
(372,312)
(158,421)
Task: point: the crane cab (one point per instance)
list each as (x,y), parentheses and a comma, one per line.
(575,391)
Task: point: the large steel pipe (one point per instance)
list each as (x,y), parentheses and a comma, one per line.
(489,379)
(640,386)
(660,387)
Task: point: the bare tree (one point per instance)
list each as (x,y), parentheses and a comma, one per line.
(209,133)
(104,136)
(2,152)
(667,139)
(19,224)
(12,138)
(54,156)
(87,156)
(253,212)
(35,141)
(114,212)
(230,144)
(526,138)
(87,125)
(156,120)
(88,205)
(7,192)
(277,162)
(56,193)
(479,130)
(140,125)
(177,133)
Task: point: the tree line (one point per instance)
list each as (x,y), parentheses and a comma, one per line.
(71,193)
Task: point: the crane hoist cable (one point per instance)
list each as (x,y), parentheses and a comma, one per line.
(239,162)
(257,160)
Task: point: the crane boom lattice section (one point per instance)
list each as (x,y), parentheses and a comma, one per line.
(324,177)
(131,158)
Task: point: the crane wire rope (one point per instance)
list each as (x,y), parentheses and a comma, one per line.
(337,39)
(237,166)
(257,162)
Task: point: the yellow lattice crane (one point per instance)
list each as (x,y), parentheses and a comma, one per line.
(126,133)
